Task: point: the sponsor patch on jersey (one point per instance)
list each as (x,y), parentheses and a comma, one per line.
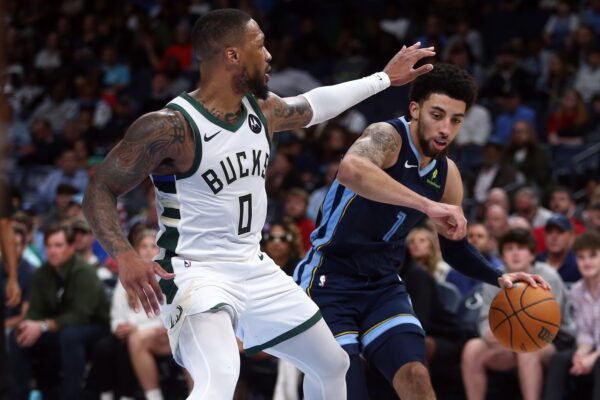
(254,123)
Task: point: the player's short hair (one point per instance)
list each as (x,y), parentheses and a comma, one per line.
(444,79)
(520,236)
(589,240)
(218,29)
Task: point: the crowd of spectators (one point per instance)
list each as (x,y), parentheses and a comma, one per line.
(79,72)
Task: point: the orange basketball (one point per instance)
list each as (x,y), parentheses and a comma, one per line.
(524,318)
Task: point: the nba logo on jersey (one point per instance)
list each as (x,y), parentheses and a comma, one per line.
(322,280)
(187,263)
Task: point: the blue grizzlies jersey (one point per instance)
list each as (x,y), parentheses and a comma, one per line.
(361,237)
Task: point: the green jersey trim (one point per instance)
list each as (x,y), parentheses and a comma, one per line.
(260,114)
(225,125)
(285,336)
(197,139)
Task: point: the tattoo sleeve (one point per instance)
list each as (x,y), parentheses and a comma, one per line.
(379,143)
(288,113)
(148,142)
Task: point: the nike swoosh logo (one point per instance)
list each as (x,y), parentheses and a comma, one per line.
(407,165)
(260,256)
(208,138)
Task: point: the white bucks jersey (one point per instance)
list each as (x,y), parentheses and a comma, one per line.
(217,209)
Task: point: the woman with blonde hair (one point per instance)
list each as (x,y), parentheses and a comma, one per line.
(424,249)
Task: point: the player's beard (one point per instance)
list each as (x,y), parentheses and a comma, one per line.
(425,144)
(253,84)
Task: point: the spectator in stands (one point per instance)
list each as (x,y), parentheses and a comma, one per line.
(444,340)
(68,172)
(582,361)
(527,155)
(498,196)
(31,254)
(517,248)
(495,172)
(282,242)
(49,58)
(512,110)
(559,235)
(68,312)
(480,238)
(510,81)
(57,107)
(556,78)
(566,124)
(116,74)
(424,250)
(592,217)
(60,205)
(181,49)
(527,205)
(317,196)
(591,16)
(496,222)
(44,147)
(16,313)
(561,201)
(560,25)
(295,206)
(83,243)
(587,79)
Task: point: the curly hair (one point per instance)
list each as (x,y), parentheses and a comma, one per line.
(445,79)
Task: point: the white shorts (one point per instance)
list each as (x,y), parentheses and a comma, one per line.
(266,306)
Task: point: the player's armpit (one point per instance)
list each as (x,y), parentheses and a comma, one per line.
(286,113)
(379,143)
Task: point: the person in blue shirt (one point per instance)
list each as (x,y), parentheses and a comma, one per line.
(393,177)
(559,236)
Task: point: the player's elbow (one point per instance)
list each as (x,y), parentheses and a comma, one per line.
(350,170)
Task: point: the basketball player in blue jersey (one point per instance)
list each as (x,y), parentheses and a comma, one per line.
(206,153)
(392,178)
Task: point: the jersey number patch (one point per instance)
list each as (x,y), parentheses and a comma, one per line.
(245,214)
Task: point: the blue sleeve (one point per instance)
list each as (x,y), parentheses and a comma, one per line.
(465,258)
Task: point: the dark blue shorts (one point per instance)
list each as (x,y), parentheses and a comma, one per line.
(363,313)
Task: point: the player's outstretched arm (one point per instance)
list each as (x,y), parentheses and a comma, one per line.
(324,103)
(150,141)
(456,250)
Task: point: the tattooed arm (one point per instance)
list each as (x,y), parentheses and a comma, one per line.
(362,171)
(287,113)
(150,145)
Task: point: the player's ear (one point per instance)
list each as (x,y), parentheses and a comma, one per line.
(232,55)
(415,110)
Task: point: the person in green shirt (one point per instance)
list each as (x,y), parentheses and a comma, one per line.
(68,313)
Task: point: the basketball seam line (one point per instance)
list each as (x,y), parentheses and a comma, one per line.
(517,317)
(522,309)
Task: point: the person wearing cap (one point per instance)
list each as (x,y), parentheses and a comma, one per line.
(493,173)
(559,236)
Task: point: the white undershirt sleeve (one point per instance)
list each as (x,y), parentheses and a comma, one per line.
(329,101)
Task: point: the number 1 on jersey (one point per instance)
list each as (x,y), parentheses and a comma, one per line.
(245,214)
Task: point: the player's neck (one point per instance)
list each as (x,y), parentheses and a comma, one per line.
(219,101)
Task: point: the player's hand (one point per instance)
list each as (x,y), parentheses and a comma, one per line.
(400,67)
(448,219)
(13,292)
(506,280)
(139,280)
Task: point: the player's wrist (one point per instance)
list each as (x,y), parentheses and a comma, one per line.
(380,80)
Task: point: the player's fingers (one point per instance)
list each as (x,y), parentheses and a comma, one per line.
(153,297)
(132,298)
(529,279)
(158,270)
(157,293)
(542,282)
(423,69)
(505,282)
(415,46)
(144,300)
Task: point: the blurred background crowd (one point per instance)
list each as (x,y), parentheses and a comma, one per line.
(77,73)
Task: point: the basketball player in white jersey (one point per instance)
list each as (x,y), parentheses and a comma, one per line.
(206,153)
